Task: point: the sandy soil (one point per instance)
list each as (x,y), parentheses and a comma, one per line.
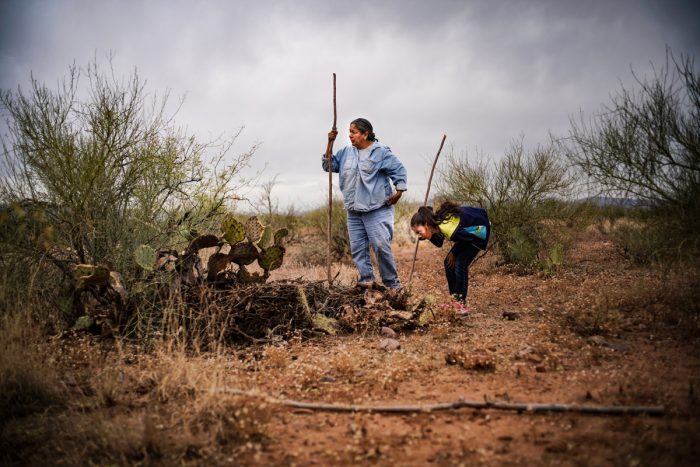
(590,335)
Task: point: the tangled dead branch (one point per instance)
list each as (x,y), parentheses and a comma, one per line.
(281,309)
(458,404)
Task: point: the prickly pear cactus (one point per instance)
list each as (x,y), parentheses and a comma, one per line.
(271,258)
(254,229)
(145,256)
(265,239)
(234,231)
(280,235)
(243,253)
(202,241)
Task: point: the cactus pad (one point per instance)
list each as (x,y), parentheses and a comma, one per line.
(234,231)
(265,239)
(280,235)
(254,229)
(243,253)
(217,263)
(203,241)
(145,256)
(271,258)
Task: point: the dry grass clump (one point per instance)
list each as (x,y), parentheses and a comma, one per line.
(231,421)
(276,356)
(28,381)
(346,364)
(191,415)
(659,299)
(476,360)
(87,438)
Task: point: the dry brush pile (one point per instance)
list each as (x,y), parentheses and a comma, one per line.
(227,300)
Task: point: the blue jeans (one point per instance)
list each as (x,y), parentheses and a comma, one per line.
(458,275)
(375,228)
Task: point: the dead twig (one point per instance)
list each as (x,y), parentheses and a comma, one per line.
(329,154)
(458,404)
(425,203)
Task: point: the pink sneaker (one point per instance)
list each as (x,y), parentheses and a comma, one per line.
(461,309)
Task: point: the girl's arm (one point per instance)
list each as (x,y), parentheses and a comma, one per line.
(437,239)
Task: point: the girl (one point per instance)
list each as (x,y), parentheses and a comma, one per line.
(468,227)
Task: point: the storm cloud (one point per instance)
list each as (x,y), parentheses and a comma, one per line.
(482,72)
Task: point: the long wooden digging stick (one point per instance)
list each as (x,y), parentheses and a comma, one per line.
(329,153)
(425,203)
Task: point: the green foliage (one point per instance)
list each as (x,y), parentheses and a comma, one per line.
(145,256)
(108,171)
(266,237)
(522,248)
(644,146)
(271,258)
(524,194)
(280,235)
(555,259)
(316,225)
(234,231)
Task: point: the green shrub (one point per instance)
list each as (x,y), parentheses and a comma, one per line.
(92,178)
(644,146)
(315,225)
(525,195)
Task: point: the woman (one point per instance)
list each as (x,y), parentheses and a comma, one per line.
(367,169)
(469,228)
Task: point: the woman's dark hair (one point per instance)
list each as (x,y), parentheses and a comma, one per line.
(426,216)
(364,126)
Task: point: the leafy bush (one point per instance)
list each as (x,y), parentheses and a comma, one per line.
(525,196)
(315,250)
(89,179)
(644,146)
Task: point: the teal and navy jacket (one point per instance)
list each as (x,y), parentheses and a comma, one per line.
(472,227)
(366,185)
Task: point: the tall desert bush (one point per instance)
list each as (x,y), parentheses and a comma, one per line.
(96,167)
(645,145)
(315,223)
(524,193)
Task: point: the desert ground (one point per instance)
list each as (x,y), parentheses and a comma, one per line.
(599,332)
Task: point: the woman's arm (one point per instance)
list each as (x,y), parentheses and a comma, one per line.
(335,159)
(394,169)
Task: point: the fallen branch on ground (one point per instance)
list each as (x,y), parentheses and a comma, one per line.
(458,404)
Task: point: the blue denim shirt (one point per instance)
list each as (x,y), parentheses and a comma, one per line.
(365,185)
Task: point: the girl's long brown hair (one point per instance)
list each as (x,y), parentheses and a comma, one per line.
(426,216)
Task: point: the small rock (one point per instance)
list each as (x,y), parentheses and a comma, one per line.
(540,369)
(600,341)
(328,379)
(389,344)
(511,315)
(83,323)
(388,332)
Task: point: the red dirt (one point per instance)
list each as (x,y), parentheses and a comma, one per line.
(545,355)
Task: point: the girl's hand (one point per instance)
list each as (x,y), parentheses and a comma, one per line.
(450,259)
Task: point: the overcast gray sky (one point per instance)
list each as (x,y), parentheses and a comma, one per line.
(482,72)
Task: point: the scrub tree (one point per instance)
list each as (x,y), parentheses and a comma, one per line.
(524,194)
(96,167)
(645,145)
